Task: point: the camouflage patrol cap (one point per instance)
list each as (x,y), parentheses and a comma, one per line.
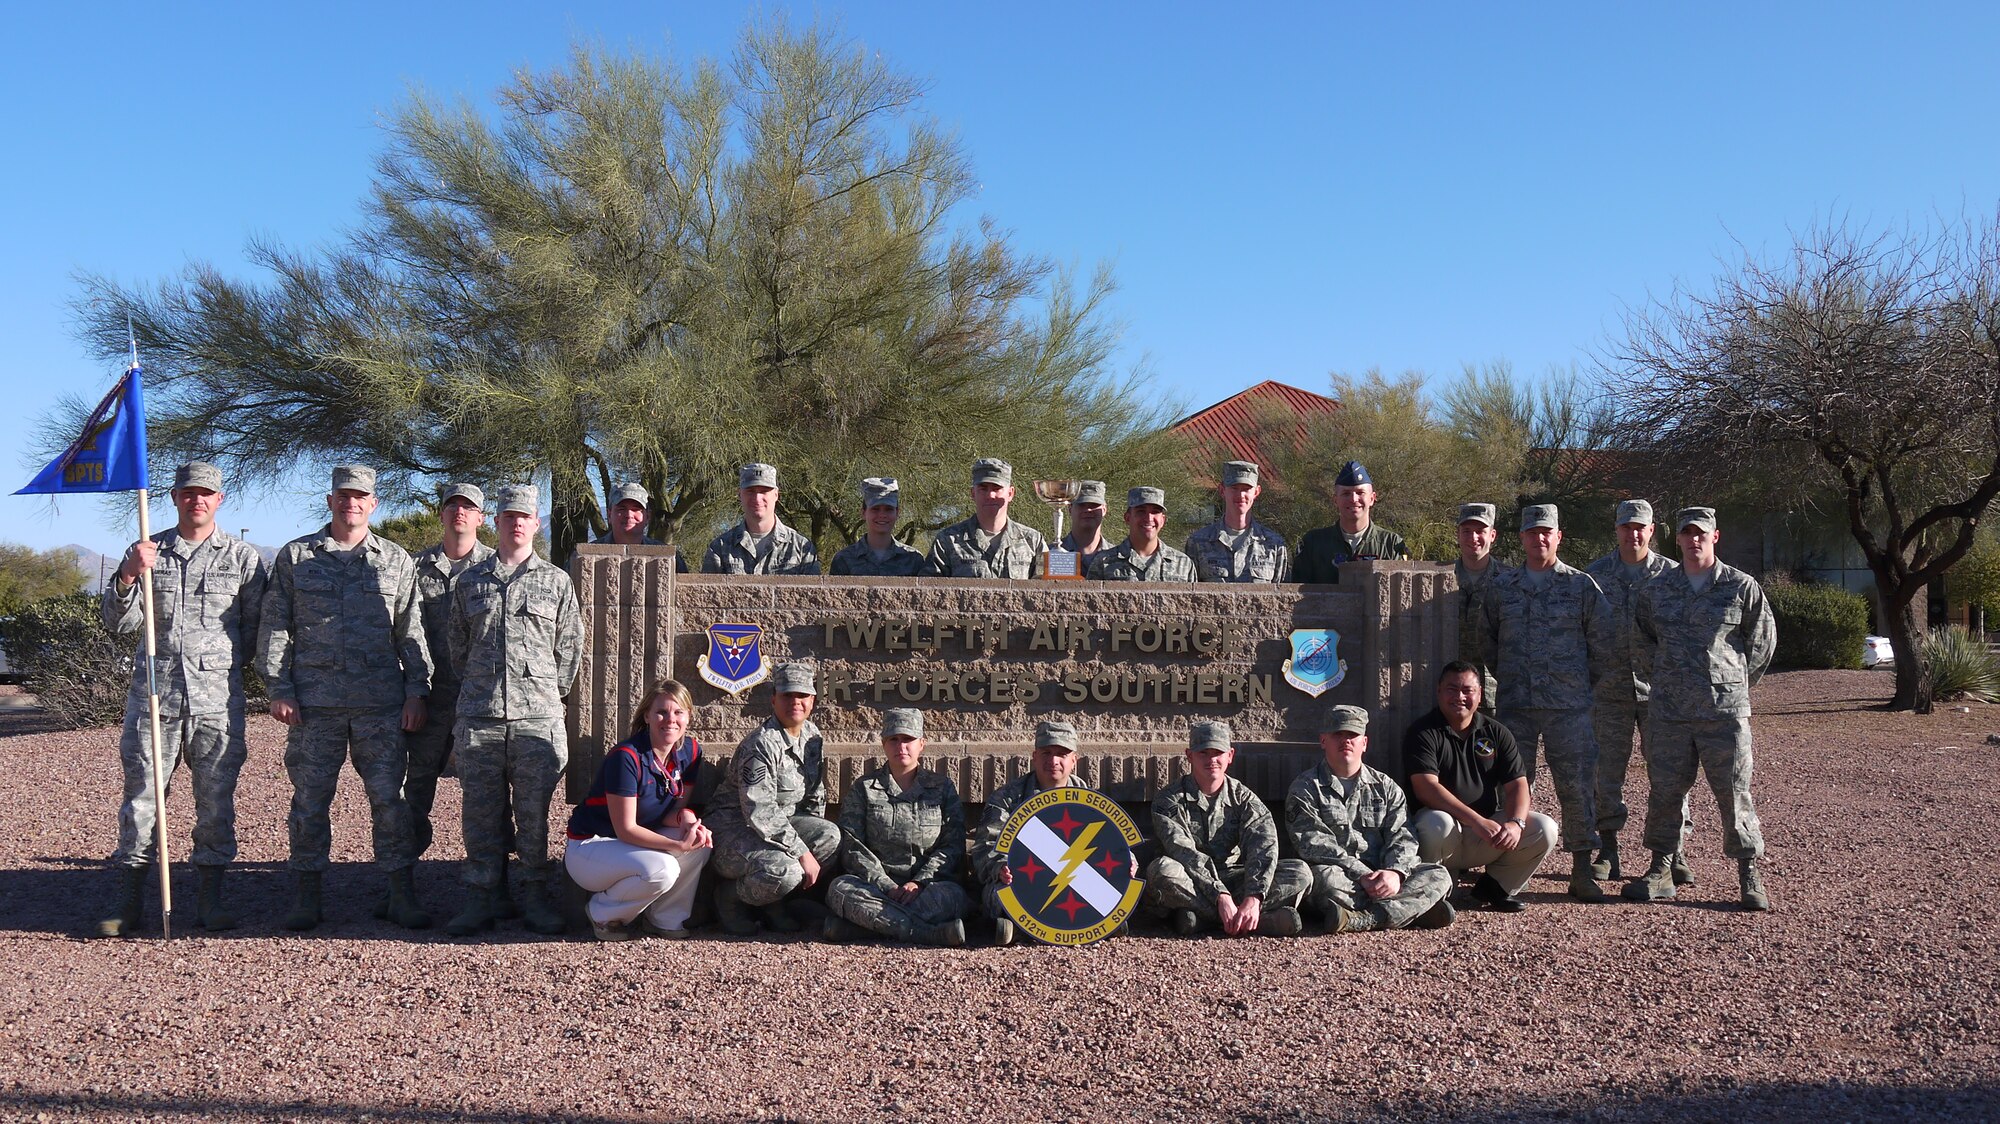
(1703,517)
(1634,511)
(1208,735)
(522,498)
(757,476)
(632,492)
(881,491)
(992,470)
(794,679)
(1057,733)
(1090,491)
(1479,513)
(902,722)
(470,493)
(1353,474)
(1344,719)
(1239,472)
(354,478)
(1143,497)
(198,474)
(1540,515)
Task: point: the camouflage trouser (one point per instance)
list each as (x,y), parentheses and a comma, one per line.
(1423,888)
(1572,756)
(428,749)
(1168,886)
(872,909)
(1443,840)
(764,874)
(507,771)
(1617,721)
(212,746)
(1720,748)
(315,749)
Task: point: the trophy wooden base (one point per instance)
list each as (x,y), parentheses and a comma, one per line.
(1062,565)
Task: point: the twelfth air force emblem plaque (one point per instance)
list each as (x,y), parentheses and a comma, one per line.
(1070,850)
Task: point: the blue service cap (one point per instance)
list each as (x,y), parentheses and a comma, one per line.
(1353,474)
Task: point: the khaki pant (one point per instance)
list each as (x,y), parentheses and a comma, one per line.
(1443,840)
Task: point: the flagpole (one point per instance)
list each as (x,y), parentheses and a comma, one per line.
(153,701)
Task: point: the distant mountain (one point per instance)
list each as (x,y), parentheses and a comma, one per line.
(92,564)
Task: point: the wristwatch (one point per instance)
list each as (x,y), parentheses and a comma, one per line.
(1522,822)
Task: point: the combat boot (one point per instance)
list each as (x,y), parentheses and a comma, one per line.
(305,912)
(1682,875)
(1657,884)
(1753,886)
(1186,922)
(1582,886)
(1280,921)
(131,909)
(1436,917)
(476,914)
(951,934)
(1003,932)
(837,930)
(504,906)
(538,913)
(777,918)
(403,907)
(1345,920)
(730,910)
(1605,869)
(208,902)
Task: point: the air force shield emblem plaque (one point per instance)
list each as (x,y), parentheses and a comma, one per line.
(1070,850)
(734,661)
(1315,667)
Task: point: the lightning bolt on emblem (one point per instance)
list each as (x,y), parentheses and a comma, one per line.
(1072,860)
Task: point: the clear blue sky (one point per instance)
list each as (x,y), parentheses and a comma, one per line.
(1283,193)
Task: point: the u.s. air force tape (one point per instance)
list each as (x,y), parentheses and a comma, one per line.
(1071,853)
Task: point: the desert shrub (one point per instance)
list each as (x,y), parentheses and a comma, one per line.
(1962,667)
(75,668)
(1819,625)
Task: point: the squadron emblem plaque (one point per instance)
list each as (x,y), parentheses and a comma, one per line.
(1070,850)
(734,662)
(1314,667)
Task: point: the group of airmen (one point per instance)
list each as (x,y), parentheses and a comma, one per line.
(457,661)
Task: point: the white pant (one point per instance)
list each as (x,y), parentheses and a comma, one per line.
(1441,839)
(626,881)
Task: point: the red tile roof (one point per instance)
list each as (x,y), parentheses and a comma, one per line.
(1228,426)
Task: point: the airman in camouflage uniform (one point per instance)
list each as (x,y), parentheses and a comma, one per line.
(1475,570)
(878,554)
(462,514)
(208,590)
(516,641)
(1053,766)
(1350,824)
(1356,538)
(1714,634)
(761,543)
(1085,537)
(1237,548)
(1621,698)
(989,545)
(1551,632)
(1219,865)
(631,508)
(1142,557)
(769,813)
(341,646)
(902,843)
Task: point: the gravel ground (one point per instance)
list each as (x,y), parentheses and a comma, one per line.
(1866,993)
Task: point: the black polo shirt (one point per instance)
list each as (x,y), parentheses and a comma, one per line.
(1472,767)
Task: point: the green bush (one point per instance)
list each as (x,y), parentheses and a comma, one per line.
(77,670)
(1962,667)
(1818,625)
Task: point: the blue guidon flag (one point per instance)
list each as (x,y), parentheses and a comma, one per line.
(1315,666)
(109,455)
(1070,849)
(734,661)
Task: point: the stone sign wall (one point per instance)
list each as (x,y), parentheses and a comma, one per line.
(1132,665)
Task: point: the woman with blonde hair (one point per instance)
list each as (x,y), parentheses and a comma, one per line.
(634,842)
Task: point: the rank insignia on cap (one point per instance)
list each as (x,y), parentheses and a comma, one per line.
(734,662)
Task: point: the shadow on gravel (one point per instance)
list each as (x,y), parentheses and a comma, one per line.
(1746,1102)
(69,901)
